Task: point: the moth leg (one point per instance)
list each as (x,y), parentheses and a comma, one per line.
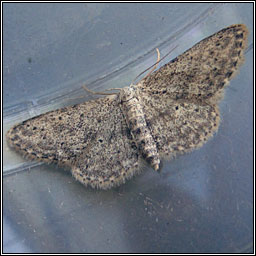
(155,66)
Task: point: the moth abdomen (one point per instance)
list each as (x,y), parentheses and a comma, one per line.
(135,118)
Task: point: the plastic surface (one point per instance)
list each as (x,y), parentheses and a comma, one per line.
(200,202)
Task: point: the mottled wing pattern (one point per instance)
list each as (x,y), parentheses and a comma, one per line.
(183,127)
(92,138)
(200,73)
(181,98)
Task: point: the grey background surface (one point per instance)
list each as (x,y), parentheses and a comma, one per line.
(200,202)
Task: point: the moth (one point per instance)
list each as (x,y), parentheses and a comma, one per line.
(172,111)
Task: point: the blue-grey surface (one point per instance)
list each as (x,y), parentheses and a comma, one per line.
(200,202)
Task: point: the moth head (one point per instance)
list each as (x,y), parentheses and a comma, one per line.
(127,94)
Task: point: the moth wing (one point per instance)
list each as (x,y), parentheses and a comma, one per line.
(91,138)
(182,128)
(201,72)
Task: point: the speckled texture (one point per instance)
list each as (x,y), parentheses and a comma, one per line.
(174,110)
